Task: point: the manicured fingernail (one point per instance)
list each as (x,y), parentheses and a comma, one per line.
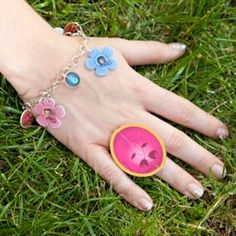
(218,171)
(145,204)
(178,46)
(222,132)
(195,190)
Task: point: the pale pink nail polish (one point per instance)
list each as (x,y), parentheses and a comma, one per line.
(222,132)
(218,171)
(145,204)
(178,46)
(195,190)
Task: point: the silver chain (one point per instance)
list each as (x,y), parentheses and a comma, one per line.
(60,77)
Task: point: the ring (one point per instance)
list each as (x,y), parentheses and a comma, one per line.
(137,150)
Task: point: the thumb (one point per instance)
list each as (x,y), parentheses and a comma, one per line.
(148,52)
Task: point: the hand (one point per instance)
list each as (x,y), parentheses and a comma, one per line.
(99,105)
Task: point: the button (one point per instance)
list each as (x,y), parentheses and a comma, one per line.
(137,150)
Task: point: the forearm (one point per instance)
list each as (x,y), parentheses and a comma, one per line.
(21,31)
(27,45)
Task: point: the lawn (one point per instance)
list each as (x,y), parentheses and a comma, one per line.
(46,190)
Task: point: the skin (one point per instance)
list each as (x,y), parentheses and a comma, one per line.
(30,60)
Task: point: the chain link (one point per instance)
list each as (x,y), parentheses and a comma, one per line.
(60,77)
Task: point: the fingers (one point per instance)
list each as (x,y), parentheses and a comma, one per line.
(180,110)
(181,180)
(99,159)
(180,145)
(147,52)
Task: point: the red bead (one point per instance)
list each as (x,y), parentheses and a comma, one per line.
(26,119)
(71,28)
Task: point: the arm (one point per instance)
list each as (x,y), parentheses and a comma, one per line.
(31,54)
(30,50)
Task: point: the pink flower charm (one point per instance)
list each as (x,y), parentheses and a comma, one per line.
(48,114)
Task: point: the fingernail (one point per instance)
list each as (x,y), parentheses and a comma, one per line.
(222,132)
(178,46)
(218,171)
(195,190)
(145,204)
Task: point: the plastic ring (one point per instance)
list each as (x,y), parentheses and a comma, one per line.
(137,150)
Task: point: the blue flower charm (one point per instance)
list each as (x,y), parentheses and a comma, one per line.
(101,61)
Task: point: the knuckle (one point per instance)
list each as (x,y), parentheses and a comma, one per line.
(126,113)
(117,42)
(109,173)
(105,170)
(175,141)
(121,40)
(186,112)
(152,47)
(200,162)
(87,157)
(139,87)
(124,188)
(90,156)
(136,86)
(163,93)
(112,176)
(178,181)
(204,162)
(163,54)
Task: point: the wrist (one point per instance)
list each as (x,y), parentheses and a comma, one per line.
(34,70)
(30,50)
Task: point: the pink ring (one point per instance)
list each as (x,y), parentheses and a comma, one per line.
(137,150)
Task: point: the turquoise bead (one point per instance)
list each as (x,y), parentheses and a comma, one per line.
(72,79)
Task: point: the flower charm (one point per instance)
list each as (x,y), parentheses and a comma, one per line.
(48,114)
(101,61)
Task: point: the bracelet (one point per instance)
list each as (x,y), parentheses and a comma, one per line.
(48,114)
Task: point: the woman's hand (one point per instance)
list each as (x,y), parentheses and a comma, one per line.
(100,105)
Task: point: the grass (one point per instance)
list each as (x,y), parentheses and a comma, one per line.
(46,190)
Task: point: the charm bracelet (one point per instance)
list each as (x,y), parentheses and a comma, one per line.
(47,113)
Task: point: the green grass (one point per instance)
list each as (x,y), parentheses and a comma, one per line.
(46,190)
